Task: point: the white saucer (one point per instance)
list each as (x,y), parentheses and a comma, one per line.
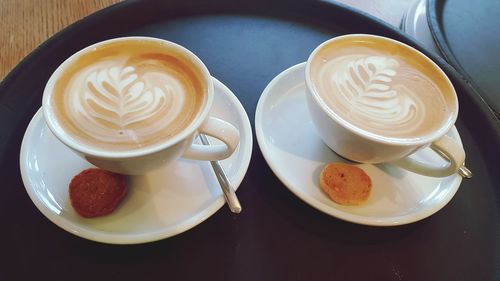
(159,204)
(415,24)
(292,148)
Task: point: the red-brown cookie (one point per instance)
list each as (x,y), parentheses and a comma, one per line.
(345,184)
(95,192)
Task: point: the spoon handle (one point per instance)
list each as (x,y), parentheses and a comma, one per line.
(227,190)
(465,172)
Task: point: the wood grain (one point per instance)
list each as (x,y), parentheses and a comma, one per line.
(25,24)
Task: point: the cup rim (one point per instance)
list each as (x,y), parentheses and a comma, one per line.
(74,144)
(428,138)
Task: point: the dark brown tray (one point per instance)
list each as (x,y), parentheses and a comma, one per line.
(277,237)
(467,36)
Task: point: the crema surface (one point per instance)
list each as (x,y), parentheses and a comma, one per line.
(128,95)
(381,88)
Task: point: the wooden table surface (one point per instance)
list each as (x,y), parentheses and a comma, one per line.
(25,24)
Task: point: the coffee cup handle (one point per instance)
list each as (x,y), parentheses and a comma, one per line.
(447,148)
(221,130)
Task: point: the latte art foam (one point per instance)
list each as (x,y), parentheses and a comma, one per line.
(378,90)
(364,88)
(112,103)
(128,98)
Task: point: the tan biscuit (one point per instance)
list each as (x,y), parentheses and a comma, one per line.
(345,184)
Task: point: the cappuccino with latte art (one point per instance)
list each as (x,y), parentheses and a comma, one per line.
(376,100)
(127,95)
(132,105)
(381,88)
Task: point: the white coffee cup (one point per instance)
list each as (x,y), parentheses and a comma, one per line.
(335,62)
(162,152)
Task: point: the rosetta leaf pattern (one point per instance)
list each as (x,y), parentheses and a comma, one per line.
(117,96)
(366,86)
(367,77)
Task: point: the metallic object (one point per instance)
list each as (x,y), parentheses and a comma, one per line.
(227,190)
(465,172)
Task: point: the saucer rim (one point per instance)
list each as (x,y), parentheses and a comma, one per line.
(150,236)
(455,180)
